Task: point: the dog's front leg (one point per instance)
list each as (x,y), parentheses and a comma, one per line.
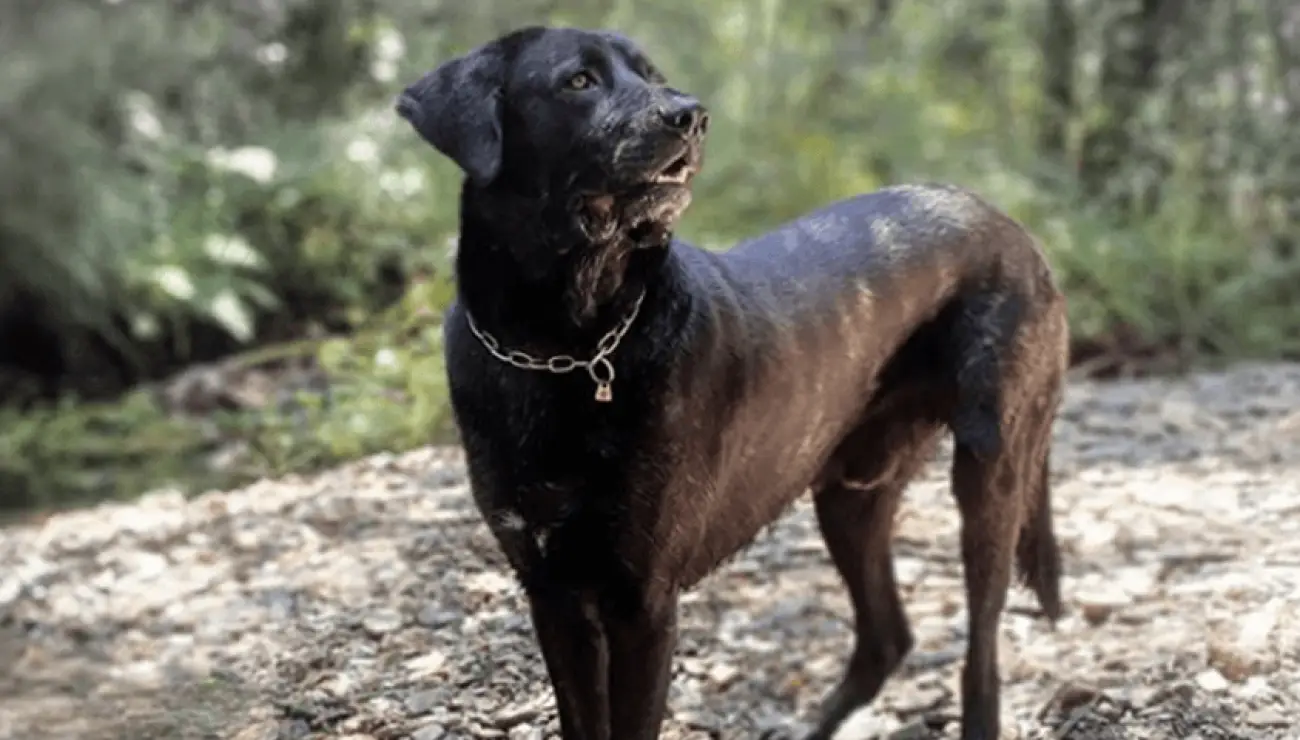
(572,639)
(640,666)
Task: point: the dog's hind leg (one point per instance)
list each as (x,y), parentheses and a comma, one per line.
(988,493)
(1004,518)
(855,511)
(989,466)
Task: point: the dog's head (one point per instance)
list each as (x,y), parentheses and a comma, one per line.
(566,113)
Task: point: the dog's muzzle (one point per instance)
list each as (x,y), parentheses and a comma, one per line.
(686,116)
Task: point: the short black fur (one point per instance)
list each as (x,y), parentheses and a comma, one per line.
(826,355)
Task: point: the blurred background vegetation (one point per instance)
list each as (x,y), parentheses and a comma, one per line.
(222,256)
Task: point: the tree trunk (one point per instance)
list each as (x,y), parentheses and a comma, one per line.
(1133,42)
(1285,24)
(1059,42)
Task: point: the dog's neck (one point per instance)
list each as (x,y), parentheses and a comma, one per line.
(532,276)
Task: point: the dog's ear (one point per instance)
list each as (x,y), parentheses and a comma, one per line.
(457,109)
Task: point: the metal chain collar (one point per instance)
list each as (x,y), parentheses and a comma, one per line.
(598,366)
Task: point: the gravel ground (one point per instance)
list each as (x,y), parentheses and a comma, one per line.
(369,602)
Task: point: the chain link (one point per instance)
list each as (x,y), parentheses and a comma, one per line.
(598,366)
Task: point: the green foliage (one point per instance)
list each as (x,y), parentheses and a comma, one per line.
(241,164)
(139,139)
(80,453)
(389,392)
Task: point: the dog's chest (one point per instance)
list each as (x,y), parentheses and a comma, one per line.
(548,464)
(542,505)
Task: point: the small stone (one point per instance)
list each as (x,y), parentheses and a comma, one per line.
(378,624)
(1255,689)
(383,706)
(931,660)
(517,714)
(1178,416)
(435,617)
(1097,606)
(1136,582)
(444,477)
(337,686)
(1072,695)
(685,693)
(917,730)
(280,604)
(1266,717)
(908,570)
(921,700)
(694,666)
(267,730)
(352,726)
(489,583)
(768,725)
(868,723)
(723,674)
(426,666)
(1233,662)
(423,702)
(525,732)
(700,720)
(293,729)
(432,731)
(1211,680)
(1256,628)
(1142,697)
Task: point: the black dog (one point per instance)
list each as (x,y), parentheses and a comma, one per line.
(634,410)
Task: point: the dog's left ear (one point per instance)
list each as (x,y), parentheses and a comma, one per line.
(457,109)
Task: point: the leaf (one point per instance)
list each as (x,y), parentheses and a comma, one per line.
(228,310)
(232,250)
(174,281)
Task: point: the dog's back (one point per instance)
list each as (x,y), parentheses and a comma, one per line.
(837,312)
(900,250)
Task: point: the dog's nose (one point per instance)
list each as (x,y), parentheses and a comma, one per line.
(408,107)
(687,115)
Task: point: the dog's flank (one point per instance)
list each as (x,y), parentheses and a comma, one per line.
(828,354)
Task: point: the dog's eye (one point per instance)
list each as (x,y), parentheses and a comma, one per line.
(580,81)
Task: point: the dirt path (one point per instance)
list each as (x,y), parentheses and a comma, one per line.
(368,602)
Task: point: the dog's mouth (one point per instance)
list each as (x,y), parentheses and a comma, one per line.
(654,218)
(662,196)
(648,203)
(678,171)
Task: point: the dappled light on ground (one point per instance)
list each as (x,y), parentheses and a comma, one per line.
(369,602)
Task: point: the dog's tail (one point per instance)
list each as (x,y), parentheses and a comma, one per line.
(1038,556)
